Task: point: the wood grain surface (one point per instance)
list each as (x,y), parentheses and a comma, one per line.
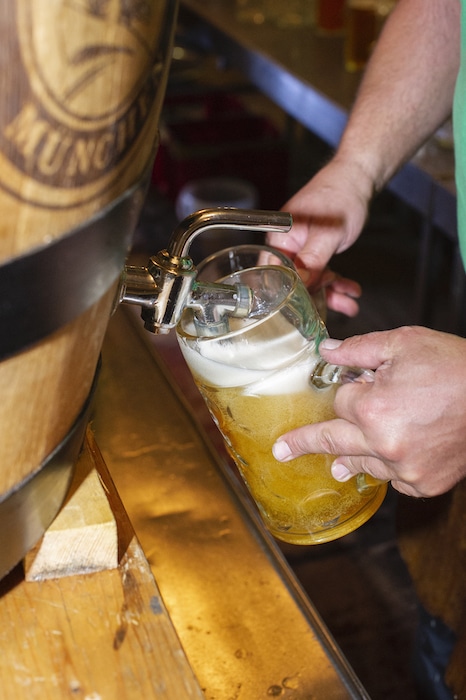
(82,86)
(104,635)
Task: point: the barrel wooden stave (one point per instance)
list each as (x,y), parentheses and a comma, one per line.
(82,88)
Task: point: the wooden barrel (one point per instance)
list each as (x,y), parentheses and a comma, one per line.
(82,85)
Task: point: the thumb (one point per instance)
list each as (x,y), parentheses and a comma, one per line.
(369,351)
(318,249)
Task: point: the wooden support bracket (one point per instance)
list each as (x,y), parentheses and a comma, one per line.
(84,536)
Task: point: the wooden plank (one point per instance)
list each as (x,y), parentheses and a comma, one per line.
(83,538)
(101,635)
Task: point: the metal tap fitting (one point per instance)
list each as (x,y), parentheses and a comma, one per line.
(168,284)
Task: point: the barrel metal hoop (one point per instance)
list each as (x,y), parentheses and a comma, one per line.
(29,508)
(42,291)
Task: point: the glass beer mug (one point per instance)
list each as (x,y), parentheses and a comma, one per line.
(261,376)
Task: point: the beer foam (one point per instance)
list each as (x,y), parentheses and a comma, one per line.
(288,380)
(278,365)
(217,373)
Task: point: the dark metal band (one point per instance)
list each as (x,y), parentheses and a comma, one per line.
(29,508)
(42,291)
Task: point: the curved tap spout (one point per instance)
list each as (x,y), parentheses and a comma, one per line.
(225,218)
(167,286)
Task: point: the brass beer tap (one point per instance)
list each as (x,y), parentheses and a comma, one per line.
(168,284)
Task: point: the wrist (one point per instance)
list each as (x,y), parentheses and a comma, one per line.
(357,173)
(363,168)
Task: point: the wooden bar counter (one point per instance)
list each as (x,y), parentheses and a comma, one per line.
(247,629)
(104,635)
(157,580)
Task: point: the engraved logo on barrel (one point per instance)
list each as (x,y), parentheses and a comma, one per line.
(83,82)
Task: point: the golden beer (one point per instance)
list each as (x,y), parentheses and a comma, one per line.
(361,33)
(256,385)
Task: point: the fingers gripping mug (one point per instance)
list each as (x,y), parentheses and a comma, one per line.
(262,376)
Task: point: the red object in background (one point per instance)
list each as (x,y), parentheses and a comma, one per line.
(331,15)
(209,136)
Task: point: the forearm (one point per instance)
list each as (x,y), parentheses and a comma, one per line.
(407,90)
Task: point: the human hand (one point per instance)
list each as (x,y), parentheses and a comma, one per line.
(408,426)
(340,292)
(328,215)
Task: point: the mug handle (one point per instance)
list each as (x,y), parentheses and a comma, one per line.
(325,375)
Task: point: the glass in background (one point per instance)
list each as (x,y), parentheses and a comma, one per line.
(444,136)
(250,11)
(384,7)
(361,33)
(330,16)
(364,22)
(291,13)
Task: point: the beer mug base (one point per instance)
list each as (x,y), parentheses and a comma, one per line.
(339,527)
